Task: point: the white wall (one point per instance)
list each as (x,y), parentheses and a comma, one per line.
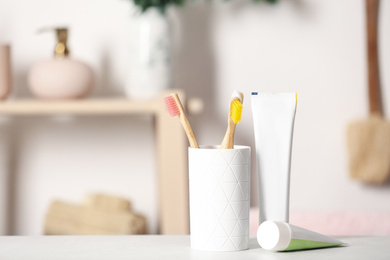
(315,48)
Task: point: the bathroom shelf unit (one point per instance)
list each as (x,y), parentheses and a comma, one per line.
(171,146)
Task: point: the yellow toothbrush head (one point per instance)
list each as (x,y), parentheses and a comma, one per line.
(236,111)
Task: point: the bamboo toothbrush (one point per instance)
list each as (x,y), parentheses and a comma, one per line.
(175,108)
(234,117)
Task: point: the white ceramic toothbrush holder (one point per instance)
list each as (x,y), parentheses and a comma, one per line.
(219,198)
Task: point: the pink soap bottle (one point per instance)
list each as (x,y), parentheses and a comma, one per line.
(5,71)
(60,77)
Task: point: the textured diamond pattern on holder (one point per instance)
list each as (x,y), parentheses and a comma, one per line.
(219,198)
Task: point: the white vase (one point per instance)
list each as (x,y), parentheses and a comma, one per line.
(152,73)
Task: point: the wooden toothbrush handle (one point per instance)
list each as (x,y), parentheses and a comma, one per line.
(185,123)
(187,128)
(228,140)
(374,91)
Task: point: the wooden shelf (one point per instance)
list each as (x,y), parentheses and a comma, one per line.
(81,107)
(171,146)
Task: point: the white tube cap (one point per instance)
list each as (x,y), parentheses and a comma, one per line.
(274,236)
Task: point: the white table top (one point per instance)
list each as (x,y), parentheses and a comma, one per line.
(172,247)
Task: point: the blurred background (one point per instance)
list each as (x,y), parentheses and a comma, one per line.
(316,48)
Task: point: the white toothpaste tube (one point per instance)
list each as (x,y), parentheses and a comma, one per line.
(281,236)
(273,120)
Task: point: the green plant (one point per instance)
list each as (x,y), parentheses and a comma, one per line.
(269,1)
(162,5)
(159,4)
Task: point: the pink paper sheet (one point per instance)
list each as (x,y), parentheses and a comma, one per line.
(335,223)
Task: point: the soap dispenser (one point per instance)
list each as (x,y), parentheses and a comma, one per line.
(60,77)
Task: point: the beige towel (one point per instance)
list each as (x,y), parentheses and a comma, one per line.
(99,215)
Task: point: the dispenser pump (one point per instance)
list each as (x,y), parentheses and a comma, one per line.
(61,76)
(61,49)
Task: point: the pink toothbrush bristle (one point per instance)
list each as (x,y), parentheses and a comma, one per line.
(173,109)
